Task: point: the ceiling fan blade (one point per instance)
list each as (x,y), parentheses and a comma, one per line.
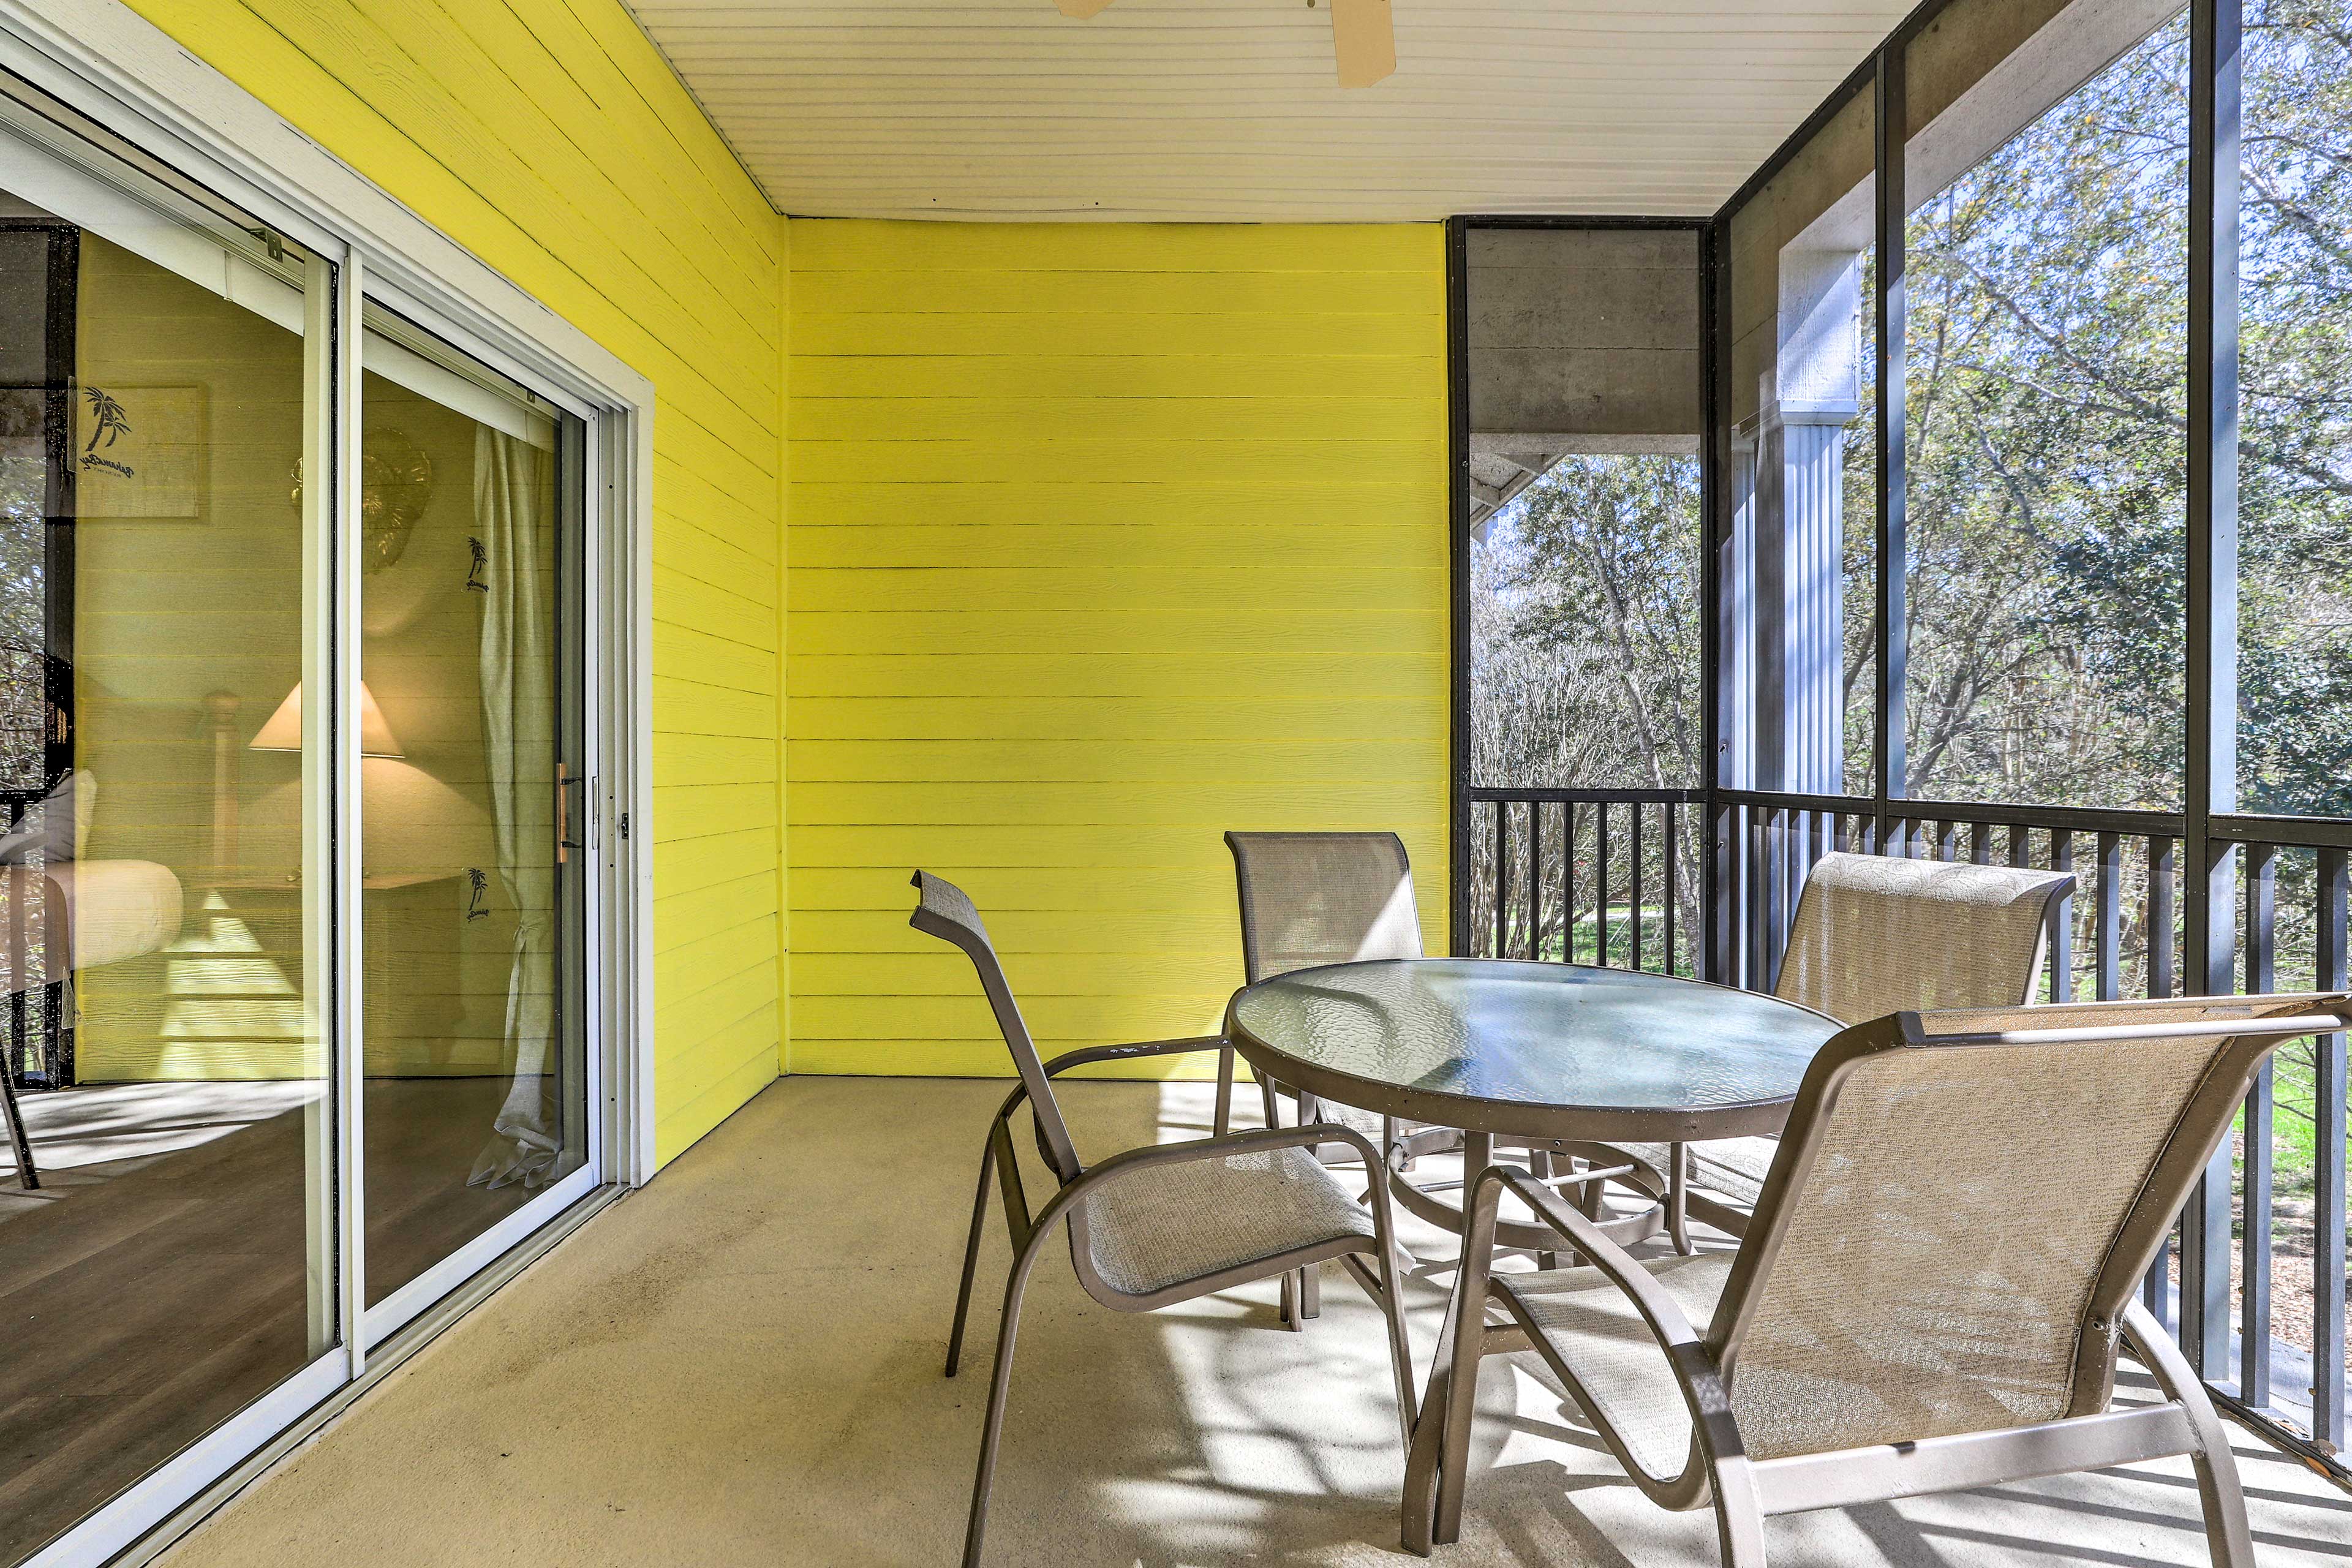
(1364,36)
(1081,9)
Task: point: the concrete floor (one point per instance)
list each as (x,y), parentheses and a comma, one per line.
(740,1365)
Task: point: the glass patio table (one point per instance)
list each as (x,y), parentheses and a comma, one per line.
(1554,1058)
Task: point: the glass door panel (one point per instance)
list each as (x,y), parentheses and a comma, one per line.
(476,1075)
(166,1246)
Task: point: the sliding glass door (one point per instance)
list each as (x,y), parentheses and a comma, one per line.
(297,838)
(473,798)
(167,1256)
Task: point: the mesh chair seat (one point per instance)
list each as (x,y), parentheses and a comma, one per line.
(1594,1328)
(1178,1223)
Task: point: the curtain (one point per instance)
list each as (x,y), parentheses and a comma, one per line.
(513,485)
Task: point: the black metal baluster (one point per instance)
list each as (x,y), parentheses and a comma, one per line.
(22,922)
(1634,830)
(2162,975)
(1777,881)
(2255,1234)
(1502,877)
(1758,859)
(2334,892)
(1674,831)
(1568,883)
(12,1050)
(2108,937)
(2155,1290)
(2061,921)
(1601,884)
(1535,879)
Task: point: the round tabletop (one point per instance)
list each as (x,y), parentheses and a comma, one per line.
(1524,1049)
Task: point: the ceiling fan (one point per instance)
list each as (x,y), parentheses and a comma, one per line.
(1362,35)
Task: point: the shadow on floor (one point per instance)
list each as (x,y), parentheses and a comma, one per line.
(742,1364)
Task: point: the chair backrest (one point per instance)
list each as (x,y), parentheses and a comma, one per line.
(1322,898)
(943,909)
(1876,934)
(1963,1204)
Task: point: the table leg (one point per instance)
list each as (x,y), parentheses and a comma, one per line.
(1540,1167)
(1477,1153)
(1678,1198)
(1310,1281)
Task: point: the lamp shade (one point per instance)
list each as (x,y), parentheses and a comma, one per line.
(284,730)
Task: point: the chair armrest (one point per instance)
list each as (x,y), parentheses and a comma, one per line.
(1156,1155)
(1660,1311)
(1089,1053)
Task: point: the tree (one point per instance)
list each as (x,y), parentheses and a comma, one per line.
(1585,641)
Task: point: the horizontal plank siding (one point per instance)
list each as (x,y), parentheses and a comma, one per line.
(1103,539)
(551,138)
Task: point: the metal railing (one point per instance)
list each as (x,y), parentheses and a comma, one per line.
(1610,877)
(1696,883)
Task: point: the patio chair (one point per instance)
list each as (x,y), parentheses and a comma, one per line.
(1310,898)
(1944,1262)
(1874,934)
(1154,1225)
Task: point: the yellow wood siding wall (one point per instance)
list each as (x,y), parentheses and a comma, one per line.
(1104,539)
(551,138)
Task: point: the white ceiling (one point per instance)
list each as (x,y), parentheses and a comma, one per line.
(1228,110)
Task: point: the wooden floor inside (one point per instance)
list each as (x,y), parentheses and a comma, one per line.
(147,1298)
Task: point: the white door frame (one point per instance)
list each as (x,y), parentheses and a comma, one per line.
(126,76)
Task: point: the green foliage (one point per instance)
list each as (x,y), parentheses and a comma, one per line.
(2295,471)
(2045,412)
(2046,405)
(1585,629)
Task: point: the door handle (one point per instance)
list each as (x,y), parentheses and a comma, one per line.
(563,842)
